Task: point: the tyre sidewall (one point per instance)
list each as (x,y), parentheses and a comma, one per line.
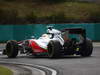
(12,49)
(87,48)
(54,48)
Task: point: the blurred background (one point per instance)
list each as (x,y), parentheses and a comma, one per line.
(20,19)
(49,11)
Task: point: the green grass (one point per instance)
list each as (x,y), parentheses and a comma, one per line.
(81,11)
(5,71)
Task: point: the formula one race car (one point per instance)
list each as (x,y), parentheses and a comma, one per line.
(54,43)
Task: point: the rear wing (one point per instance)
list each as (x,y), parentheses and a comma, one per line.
(80,31)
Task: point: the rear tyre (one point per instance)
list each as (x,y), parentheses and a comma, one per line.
(54,49)
(12,49)
(87,48)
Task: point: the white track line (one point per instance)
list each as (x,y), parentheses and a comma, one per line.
(54,72)
(35,71)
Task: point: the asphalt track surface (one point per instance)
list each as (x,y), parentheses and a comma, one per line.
(64,66)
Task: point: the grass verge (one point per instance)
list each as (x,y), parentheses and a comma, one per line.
(5,71)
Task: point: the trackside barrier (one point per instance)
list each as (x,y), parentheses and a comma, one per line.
(21,32)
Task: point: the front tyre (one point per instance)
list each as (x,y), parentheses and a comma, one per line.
(54,49)
(11,49)
(87,48)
